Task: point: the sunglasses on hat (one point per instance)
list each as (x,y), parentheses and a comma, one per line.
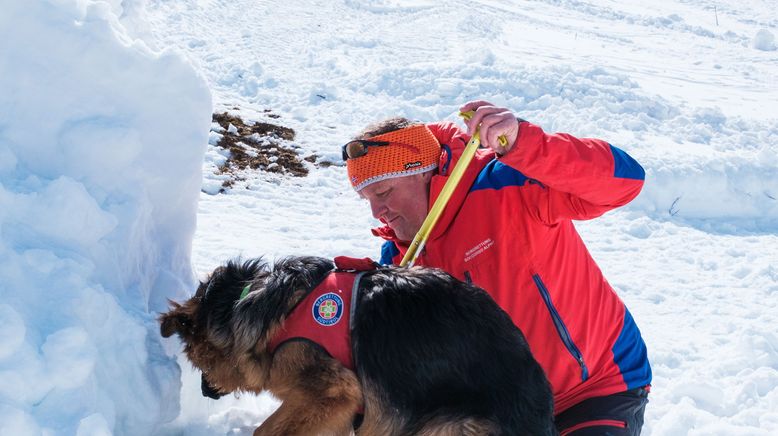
(358,148)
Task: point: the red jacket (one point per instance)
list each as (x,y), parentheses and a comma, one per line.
(508,229)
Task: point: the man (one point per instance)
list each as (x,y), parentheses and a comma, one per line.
(508,228)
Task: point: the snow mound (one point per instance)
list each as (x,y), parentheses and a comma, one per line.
(764,40)
(101,145)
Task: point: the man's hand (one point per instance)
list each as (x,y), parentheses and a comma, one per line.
(494,122)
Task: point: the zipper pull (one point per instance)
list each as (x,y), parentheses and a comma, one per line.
(584,369)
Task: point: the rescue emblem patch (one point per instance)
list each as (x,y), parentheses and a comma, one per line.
(328,309)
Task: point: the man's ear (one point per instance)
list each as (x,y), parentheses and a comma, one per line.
(427,176)
(174,322)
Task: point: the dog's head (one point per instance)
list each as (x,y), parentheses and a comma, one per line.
(226,336)
(205,324)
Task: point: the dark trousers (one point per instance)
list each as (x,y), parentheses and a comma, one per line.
(614,415)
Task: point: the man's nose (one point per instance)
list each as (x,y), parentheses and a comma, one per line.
(378,208)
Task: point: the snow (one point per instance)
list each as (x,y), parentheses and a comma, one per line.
(764,40)
(109,200)
(102,141)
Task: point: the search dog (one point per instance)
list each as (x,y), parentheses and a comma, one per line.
(430,355)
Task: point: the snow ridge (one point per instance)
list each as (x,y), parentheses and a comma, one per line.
(101,142)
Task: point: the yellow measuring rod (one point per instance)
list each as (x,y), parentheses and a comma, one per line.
(417,245)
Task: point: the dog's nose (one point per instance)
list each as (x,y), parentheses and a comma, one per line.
(208,390)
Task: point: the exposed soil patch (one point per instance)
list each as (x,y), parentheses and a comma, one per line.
(259,146)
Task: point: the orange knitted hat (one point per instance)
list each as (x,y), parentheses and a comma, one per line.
(412,150)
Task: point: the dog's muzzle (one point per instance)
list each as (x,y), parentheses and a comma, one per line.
(208,390)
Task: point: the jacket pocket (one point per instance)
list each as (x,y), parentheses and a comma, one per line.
(613,423)
(561,329)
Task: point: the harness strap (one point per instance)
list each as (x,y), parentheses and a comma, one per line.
(353,312)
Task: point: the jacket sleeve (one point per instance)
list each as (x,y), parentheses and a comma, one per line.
(579,178)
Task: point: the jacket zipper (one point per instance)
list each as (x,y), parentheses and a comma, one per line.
(468,278)
(561,328)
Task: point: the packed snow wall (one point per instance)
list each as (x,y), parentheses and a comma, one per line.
(101,147)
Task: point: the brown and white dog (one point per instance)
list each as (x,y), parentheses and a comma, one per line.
(430,355)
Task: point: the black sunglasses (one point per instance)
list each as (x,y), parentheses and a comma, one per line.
(358,148)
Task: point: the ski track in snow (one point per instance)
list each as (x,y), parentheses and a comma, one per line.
(695,257)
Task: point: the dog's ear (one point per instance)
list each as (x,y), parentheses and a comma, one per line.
(223,291)
(175,322)
(249,325)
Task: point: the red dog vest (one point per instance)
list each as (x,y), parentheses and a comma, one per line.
(324,316)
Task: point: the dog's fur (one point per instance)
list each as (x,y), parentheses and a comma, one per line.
(433,355)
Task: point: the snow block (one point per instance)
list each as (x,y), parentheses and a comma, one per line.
(101,148)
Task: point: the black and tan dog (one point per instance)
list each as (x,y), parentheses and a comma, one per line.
(431,355)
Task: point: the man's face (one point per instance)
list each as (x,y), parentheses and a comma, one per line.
(400,203)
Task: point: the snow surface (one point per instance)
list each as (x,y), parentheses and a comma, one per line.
(101,148)
(103,136)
